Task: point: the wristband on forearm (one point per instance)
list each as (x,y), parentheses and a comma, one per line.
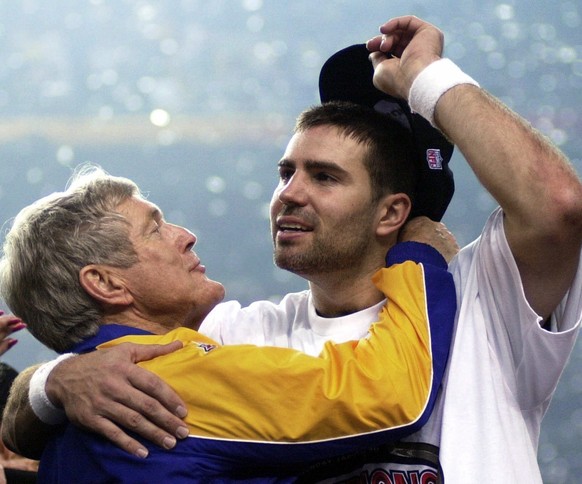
(42,407)
(432,82)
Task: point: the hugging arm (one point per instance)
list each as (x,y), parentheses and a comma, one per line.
(101,391)
(268,410)
(107,392)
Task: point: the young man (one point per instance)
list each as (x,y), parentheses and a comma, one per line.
(134,277)
(518,285)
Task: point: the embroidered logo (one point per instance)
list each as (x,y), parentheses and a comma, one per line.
(207,348)
(434,159)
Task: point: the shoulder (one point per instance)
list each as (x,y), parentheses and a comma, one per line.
(232,323)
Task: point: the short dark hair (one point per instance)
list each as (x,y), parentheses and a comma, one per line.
(389,160)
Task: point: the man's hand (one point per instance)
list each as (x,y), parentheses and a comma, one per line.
(435,234)
(105,389)
(413,43)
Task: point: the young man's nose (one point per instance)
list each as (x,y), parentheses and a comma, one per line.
(294,192)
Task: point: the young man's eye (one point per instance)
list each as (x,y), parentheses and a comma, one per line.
(324,177)
(285,174)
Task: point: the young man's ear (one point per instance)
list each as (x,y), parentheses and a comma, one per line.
(103,284)
(393,211)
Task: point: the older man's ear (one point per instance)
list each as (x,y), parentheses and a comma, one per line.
(105,285)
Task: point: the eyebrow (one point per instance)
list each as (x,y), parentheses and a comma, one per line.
(312,165)
(153,214)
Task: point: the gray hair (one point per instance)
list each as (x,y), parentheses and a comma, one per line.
(51,241)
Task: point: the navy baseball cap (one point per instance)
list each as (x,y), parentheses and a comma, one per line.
(347,76)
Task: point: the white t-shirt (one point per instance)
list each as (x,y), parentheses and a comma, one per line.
(502,373)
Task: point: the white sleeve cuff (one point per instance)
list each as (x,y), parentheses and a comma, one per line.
(43,408)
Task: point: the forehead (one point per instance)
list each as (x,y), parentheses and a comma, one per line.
(138,211)
(326,143)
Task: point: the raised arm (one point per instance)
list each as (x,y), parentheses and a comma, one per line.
(538,190)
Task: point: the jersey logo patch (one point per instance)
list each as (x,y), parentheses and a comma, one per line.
(206,347)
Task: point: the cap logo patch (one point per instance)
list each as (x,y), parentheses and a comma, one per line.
(434,159)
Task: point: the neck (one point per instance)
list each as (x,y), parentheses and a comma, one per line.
(151,324)
(337,295)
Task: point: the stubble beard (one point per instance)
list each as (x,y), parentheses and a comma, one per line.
(336,250)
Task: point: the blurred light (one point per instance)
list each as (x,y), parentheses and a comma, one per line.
(251,86)
(567,54)
(311,58)
(255,23)
(73,21)
(177,217)
(504,11)
(146,13)
(134,103)
(548,83)
(245,164)
(252,5)
(215,184)
(279,47)
(558,471)
(265,211)
(171,176)
(167,137)
(496,60)
(169,47)
(160,118)
(511,30)
(559,136)
(4,98)
(65,155)
(456,51)
(252,190)
(93,82)
(15,61)
(516,69)
(571,19)
(263,51)
(34,175)
(152,31)
(109,77)
(543,31)
(146,84)
(486,43)
(218,207)
(54,88)
(105,113)
(475,30)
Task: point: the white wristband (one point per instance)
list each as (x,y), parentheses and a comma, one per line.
(43,408)
(432,82)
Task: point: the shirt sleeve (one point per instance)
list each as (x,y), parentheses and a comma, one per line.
(533,357)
